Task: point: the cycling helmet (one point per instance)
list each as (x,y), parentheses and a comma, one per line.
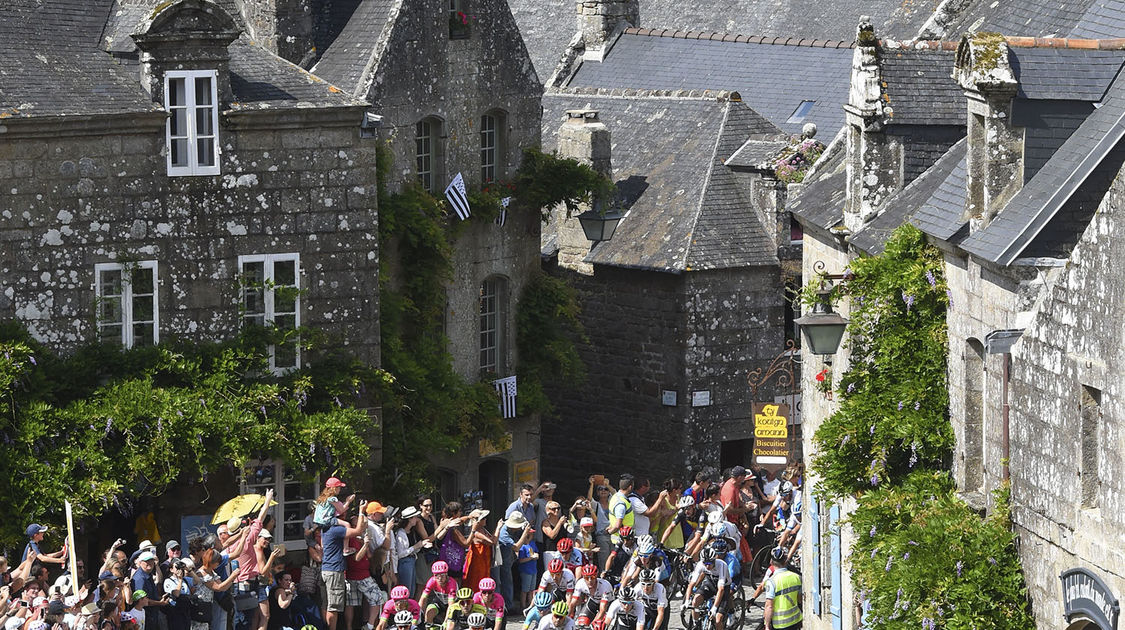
(625,531)
(404,618)
(565,545)
(560,608)
(720,545)
(797,508)
(646,545)
(786,489)
(648,576)
(485,585)
(400,593)
(309,626)
(476,620)
(599,624)
(685,502)
(589,570)
(439,567)
(708,554)
(715,516)
(543,599)
(625,594)
(778,554)
(555,566)
(583,621)
(464,593)
(716,529)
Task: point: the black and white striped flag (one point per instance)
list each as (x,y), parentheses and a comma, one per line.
(506,388)
(455,193)
(503,218)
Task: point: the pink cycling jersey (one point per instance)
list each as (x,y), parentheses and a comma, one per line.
(445,593)
(412,606)
(495,607)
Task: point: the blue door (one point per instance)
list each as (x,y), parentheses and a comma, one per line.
(835,606)
(814,510)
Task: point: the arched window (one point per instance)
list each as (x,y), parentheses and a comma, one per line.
(493,154)
(428,151)
(493,325)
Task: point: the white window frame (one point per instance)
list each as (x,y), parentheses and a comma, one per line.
(127,293)
(489,147)
(800,113)
(497,328)
(193,167)
(426,176)
(268,312)
(278,484)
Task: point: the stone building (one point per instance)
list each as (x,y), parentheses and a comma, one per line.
(455,92)
(1019,206)
(153,161)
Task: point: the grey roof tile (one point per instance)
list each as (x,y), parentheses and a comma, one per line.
(941,214)
(262,80)
(548,25)
(1032,18)
(685,210)
(1059,181)
(820,203)
(920,87)
(66,82)
(1064,73)
(352,53)
(773,79)
(52,24)
(754,153)
(125,15)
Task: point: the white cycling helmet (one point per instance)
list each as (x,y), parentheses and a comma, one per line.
(646,544)
(685,502)
(475,620)
(715,516)
(404,618)
(716,530)
(786,489)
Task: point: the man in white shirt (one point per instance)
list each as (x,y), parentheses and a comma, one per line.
(625,613)
(654,597)
(591,594)
(641,511)
(709,581)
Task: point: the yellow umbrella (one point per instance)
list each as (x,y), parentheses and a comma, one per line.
(239,506)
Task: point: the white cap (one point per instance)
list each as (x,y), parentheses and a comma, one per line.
(265,533)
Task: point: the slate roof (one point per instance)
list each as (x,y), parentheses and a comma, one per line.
(36,23)
(941,214)
(820,203)
(755,153)
(125,15)
(920,87)
(1035,206)
(67,82)
(685,209)
(1065,73)
(908,202)
(260,79)
(773,79)
(1043,18)
(353,51)
(548,25)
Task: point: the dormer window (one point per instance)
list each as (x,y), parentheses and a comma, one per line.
(191,98)
(459,19)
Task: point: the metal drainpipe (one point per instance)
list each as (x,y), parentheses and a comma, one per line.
(1001,342)
(1004,474)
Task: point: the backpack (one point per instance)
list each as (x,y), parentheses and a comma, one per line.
(325,514)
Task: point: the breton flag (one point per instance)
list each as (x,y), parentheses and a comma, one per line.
(506,388)
(455,193)
(503,218)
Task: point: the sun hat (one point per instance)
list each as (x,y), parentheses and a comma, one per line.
(138,595)
(516,520)
(171,544)
(409,512)
(146,544)
(233,525)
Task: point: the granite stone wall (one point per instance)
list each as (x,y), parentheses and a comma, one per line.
(100,193)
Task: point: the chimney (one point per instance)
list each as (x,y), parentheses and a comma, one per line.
(601,21)
(584,138)
(994,162)
(284,27)
(874,160)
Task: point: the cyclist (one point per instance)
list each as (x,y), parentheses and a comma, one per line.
(540,604)
(625,613)
(647,556)
(492,601)
(654,598)
(709,581)
(400,602)
(559,619)
(728,553)
(582,622)
(792,527)
(592,594)
(477,621)
(442,587)
(619,556)
(780,506)
(404,620)
(783,595)
(557,580)
(685,521)
(457,617)
(571,557)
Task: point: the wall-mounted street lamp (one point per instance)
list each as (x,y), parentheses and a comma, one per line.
(600,225)
(823,328)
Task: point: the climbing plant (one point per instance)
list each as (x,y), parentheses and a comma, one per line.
(104,425)
(920,558)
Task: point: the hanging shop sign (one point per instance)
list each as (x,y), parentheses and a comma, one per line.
(1086,595)
(771,433)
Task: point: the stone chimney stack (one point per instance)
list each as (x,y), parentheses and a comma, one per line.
(994,162)
(601,21)
(874,160)
(586,139)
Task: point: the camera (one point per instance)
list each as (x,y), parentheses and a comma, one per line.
(179,565)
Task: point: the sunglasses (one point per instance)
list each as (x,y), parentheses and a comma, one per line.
(559,616)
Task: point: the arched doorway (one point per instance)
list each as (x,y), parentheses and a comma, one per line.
(1082,623)
(493,476)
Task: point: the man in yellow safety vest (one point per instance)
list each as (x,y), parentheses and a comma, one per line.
(620,508)
(783,595)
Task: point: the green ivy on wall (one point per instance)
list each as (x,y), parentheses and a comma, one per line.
(921,558)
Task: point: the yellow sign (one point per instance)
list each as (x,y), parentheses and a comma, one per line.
(527,471)
(768,424)
(487,448)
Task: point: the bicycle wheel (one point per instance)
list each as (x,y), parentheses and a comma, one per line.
(760,564)
(737,613)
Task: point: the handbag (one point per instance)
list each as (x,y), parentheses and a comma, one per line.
(198,610)
(246,600)
(452,553)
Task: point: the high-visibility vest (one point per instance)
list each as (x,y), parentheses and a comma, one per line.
(786,594)
(618,498)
